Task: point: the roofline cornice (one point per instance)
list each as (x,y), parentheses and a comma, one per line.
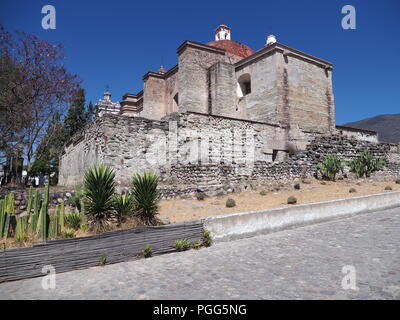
(198,45)
(287,51)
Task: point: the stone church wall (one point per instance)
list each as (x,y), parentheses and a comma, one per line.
(195,151)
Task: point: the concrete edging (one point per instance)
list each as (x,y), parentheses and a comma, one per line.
(247,224)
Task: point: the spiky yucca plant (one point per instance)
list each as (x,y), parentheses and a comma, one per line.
(99,188)
(145,197)
(123,205)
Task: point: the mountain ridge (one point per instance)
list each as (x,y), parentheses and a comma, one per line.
(387,126)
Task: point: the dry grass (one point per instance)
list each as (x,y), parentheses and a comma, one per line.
(181,210)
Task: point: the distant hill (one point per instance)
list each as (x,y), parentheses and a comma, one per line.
(387,126)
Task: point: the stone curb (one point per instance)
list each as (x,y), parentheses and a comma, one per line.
(247,224)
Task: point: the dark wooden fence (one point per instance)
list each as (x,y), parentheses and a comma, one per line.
(78,253)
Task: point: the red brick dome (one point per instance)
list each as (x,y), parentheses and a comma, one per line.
(236,48)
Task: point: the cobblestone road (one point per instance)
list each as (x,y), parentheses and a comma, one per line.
(303,263)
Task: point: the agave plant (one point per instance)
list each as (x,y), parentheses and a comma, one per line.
(123,205)
(99,188)
(76,199)
(145,197)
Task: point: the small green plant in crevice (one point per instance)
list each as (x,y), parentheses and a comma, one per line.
(147,251)
(330,167)
(352,190)
(73,220)
(297,186)
(182,244)
(69,233)
(196,244)
(103,260)
(389,188)
(397,181)
(207,240)
(323,183)
(230,203)
(263,193)
(292,200)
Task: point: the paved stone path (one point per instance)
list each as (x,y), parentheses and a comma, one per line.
(303,263)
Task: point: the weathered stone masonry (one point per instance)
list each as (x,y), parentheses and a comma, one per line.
(224,116)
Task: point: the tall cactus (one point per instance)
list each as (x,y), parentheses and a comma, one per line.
(55,224)
(2,216)
(44,217)
(62,216)
(9,210)
(36,210)
(28,209)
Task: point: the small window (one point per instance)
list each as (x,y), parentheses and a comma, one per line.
(244,85)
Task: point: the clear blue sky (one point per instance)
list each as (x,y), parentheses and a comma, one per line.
(116,42)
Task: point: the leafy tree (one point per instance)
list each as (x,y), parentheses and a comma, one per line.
(48,151)
(34,85)
(76,117)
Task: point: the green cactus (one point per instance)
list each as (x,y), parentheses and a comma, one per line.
(365,164)
(2,216)
(62,216)
(330,166)
(55,224)
(9,210)
(28,209)
(36,210)
(44,217)
(20,229)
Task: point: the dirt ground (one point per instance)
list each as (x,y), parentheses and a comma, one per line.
(186,209)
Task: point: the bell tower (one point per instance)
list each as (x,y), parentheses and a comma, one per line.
(223,32)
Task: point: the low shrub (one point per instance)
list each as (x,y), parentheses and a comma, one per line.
(352,190)
(207,240)
(263,193)
(388,188)
(200,196)
(292,200)
(323,183)
(330,167)
(73,220)
(297,186)
(365,164)
(182,245)
(398,181)
(69,233)
(197,244)
(230,203)
(103,260)
(123,205)
(147,251)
